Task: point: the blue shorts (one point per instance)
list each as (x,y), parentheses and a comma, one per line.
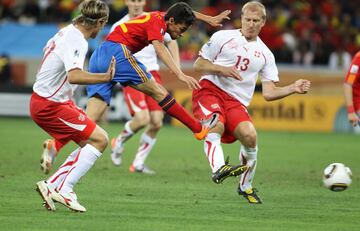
(128,70)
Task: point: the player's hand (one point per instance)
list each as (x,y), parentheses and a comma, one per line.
(231,72)
(111,69)
(353,119)
(302,86)
(190,81)
(215,21)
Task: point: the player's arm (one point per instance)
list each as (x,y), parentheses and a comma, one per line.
(173,47)
(352,116)
(272,92)
(214,21)
(206,67)
(77,76)
(166,57)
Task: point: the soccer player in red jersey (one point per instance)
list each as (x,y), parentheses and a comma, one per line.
(145,111)
(132,36)
(352,90)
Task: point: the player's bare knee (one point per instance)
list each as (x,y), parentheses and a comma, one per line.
(156,125)
(249,139)
(103,142)
(141,119)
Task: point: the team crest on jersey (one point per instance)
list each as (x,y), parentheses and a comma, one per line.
(162,31)
(76,53)
(81,117)
(257,54)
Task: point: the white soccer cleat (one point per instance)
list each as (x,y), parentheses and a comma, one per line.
(117,148)
(143,169)
(69,200)
(48,156)
(46,194)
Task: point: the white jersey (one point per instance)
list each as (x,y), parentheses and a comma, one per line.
(147,55)
(252,59)
(63,52)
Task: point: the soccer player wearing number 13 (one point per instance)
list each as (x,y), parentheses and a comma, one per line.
(231,62)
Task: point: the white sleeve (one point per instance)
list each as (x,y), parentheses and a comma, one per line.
(269,72)
(212,48)
(74,55)
(167,38)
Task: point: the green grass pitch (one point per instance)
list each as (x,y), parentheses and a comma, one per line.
(181,196)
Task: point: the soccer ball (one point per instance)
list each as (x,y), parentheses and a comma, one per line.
(337,177)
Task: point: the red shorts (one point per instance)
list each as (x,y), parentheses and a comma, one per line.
(138,101)
(356,103)
(63,121)
(212,99)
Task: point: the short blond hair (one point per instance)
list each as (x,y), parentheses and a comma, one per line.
(91,12)
(253,6)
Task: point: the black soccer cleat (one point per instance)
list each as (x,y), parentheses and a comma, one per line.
(228,170)
(250,195)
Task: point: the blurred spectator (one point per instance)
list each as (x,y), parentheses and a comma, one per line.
(5,71)
(339,59)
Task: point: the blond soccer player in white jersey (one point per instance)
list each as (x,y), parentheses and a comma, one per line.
(52,108)
(144,110)
(231,62)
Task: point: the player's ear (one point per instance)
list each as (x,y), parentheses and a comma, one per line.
(172,20)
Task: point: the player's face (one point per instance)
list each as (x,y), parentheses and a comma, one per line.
(136,7)
(176,30)
(251,23)
(99,27)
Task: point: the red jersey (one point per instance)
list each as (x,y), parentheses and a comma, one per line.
(353,75)
(140,31)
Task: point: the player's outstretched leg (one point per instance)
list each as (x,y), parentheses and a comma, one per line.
(48,155)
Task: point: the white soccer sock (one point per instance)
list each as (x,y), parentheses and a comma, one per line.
(126,134)
(85,160)
(214,151)
(146,144)
(54,180)
(248,156)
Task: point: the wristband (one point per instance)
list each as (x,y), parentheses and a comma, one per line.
(350,109)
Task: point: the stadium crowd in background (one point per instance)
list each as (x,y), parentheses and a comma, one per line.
(297,31)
